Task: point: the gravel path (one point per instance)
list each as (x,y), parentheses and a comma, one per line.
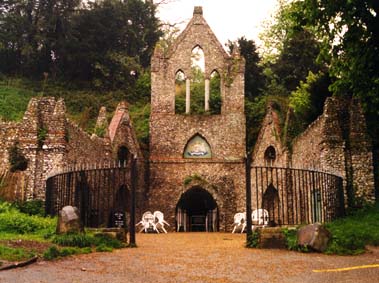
(197,257)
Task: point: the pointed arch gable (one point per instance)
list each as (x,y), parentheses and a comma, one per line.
(197,147)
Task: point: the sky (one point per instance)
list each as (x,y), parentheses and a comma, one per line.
(229,19)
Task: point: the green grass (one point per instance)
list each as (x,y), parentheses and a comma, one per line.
(350,235)
(15,254)
(54,252)
(83,104)
(13,102)
(17,225)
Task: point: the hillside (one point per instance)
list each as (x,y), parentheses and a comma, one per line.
(82,104)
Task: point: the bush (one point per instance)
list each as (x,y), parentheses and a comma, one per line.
(291,240)
(74,240)
(14,221)
(351,234)
(253,239)
(55,252)
(31,207)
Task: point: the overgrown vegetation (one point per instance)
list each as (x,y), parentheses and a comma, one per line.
(253,240)
(350,235)
(22,222)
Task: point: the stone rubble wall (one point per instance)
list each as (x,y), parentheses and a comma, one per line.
(51,142)
(337,143)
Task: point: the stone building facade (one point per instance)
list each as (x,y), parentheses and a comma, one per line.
(51,143)
(336,142)
(195,173)
(197,158)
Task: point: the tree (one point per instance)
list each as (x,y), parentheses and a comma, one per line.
(32,33)
(297,58)
(351,32)
(112,42)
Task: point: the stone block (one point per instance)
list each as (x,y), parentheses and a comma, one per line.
(69,220)
(314,236)
(271,238)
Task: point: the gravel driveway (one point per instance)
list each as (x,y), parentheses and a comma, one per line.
(198,257)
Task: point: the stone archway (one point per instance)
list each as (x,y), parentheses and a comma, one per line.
(197,211)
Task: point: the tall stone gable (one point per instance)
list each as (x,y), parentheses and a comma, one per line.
(171,173)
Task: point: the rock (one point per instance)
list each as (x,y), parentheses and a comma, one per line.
(69,220)
(314,236)
(271,238)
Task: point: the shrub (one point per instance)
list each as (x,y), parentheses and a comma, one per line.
(103,248)
(291,240)
(107,240)
(351,234)
(31,207)
(253,239)
(55,252)
(74,240)
(14,221)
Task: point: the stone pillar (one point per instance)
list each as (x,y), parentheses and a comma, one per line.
(188,96)
(207,94)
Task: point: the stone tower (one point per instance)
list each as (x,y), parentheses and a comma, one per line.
(197,173)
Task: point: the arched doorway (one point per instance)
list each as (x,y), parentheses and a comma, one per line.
(197,211)
(271,204)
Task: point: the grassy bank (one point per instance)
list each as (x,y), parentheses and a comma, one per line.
(26,234)
(350,235)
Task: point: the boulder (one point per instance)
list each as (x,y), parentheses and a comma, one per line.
(314,236)
(69,220)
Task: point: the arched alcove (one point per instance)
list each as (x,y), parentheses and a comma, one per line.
(197,147)
(180,92)
(270,156)
(271,204)
(123,154)
(215,93)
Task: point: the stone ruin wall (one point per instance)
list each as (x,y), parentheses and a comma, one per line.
(337,143)
(361,154)
(83,149)
(64,145)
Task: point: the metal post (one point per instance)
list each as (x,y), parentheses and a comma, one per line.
(132,227)
(248,197)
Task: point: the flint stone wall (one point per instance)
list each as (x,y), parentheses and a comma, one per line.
(51,142)
(223,174)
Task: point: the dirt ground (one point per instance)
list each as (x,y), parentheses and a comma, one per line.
(199,257)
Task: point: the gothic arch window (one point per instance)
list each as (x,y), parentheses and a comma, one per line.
(215,93)
(197,81)
(180,92)
(197,147)
(270,156)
